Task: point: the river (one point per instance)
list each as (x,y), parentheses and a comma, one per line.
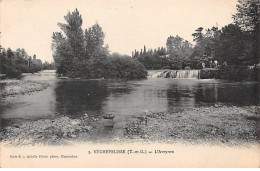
(123,98)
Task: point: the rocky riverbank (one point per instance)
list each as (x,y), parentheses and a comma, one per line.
(56,131)
(215,124)
(16,87)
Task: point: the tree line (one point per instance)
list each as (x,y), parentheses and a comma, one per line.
(82,53)
(13,63)
(236,44)
(175,56)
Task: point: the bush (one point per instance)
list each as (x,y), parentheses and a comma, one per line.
(12,72)
(23,68)
(79,70)
(108,67)
(124,67)
(209,74)
(238,73)
(34,68)
(15,71)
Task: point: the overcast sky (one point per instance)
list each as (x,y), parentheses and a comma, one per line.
(128,24)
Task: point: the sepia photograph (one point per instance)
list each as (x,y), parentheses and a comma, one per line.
(130,83)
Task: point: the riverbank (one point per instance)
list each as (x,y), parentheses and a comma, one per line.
(12,87)
(216,124)
(57,131)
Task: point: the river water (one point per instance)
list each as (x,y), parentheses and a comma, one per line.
(75,98)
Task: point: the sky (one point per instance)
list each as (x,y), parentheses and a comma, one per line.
(128,24)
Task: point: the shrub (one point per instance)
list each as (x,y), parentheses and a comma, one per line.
(12,72)
(124,67)
(108,67)
(209,73)
(237,73)
(79,70)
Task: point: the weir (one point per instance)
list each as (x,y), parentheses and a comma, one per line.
(187,74)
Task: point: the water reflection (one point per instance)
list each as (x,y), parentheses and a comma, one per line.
(227,93)
(77,97)
(180,94)
(96,97)
(28,107)
(144,96)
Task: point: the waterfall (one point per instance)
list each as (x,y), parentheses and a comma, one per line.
(187,74)
(156,74)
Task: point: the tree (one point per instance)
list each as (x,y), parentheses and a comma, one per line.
(179,50)
(248,18)
(94,38)
(48,66)
(62,53)
(20,57)
(155,51)
(248,14)
(198,36)
(74,34)
(234,46)
(10,56)
(81,55)
(13,63)
(205,47)
(69,48)
(144,50)
(3,61)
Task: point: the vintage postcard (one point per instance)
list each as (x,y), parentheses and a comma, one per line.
(129,83)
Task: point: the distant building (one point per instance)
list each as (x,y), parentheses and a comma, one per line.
(36,61)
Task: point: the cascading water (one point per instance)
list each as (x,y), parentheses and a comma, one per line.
(187,74)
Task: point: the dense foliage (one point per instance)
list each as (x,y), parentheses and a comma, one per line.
(177,55)
(152,59)
(118,66)
(237,73)
(48,66)
(179,51)
(248,19)
(79,53)
(13,63)
(236,44)
(229,45)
